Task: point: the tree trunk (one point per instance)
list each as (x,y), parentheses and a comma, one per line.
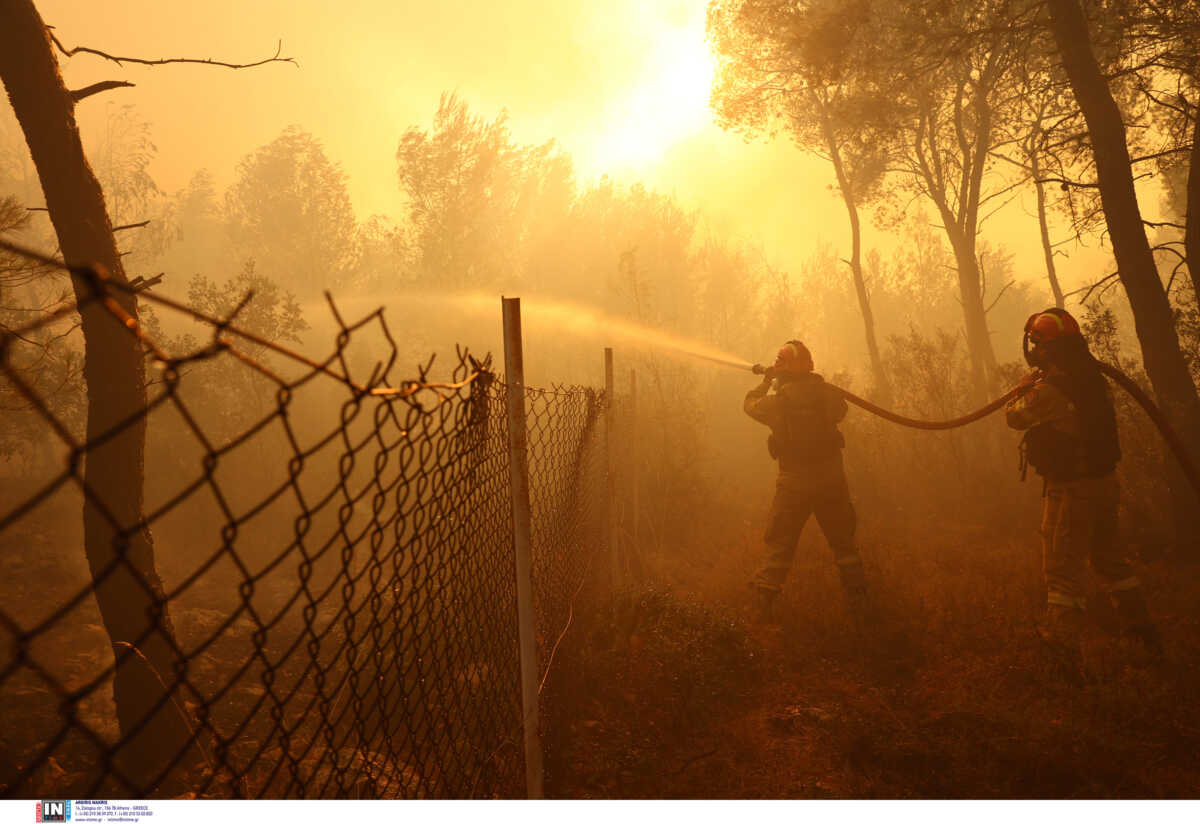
(984,370)
(1044,226)
(960,221)
(1191,235)
(117,542)
(883,386)
(1153,319)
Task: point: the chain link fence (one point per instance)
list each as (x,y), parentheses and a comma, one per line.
(323,563)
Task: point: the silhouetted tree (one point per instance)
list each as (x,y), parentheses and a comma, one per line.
(473,195)
(118,544)
(117,540)
(1165,364)
(290,212)
(787,63)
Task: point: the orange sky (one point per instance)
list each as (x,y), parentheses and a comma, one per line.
(595,74)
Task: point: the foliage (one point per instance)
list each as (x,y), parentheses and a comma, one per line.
(269,312)
(289,210)
(121,160)
(49,359)
(474,195)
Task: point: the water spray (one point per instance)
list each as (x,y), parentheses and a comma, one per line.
(1174,442)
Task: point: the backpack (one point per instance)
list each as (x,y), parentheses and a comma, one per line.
(807,431)
(1093,453)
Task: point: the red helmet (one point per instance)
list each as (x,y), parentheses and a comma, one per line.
(793,359)
(1049,325)
(1046,330)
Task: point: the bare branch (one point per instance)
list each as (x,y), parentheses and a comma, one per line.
(999,295)
(1167,246)
(207,61)
(1089,289)
(1166,153)
(131,226)
(1013,161)
(1174,272)
(96,88)
(1065,183)
(141,284)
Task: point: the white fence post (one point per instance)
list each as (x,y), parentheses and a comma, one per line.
(518,463)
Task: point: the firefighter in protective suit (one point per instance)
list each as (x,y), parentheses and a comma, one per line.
(803,415)
(1071,441)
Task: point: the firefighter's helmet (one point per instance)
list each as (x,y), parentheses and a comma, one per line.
(793,359)
(1047,329)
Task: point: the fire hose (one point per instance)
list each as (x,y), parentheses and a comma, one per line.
(1115,375)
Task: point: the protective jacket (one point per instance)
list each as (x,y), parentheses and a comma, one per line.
(1071,439)
(1071,426)
(803,415)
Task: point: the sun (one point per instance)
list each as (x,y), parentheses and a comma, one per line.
(667,104)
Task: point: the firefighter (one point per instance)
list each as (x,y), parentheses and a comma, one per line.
(803,414)
(1071,441)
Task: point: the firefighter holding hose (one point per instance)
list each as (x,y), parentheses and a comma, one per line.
(803,414)
(1071,441)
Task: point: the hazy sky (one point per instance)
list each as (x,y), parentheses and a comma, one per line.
(622,84)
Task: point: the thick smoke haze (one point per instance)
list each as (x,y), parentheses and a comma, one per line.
(272,523)
(622,86)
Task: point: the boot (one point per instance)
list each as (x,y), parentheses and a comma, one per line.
(861,609)
(1063,661)
(764,604)
(1151,640)
(1061,651)
(1131,606)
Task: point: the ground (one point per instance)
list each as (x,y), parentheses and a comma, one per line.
(676,692)
(673,690)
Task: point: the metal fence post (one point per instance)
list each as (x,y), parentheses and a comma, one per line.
(514,375)
(633,462)
(610,509)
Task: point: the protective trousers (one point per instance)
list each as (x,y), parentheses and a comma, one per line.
(819,489)
(1079,524)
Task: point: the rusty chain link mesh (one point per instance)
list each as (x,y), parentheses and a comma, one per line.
(336,564)
(566,477)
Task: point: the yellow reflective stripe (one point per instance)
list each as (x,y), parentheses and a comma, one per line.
(1062,599)
(1125,585)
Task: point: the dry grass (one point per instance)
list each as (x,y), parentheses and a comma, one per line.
(947,699)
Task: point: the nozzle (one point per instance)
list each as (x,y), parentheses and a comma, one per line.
(758,369)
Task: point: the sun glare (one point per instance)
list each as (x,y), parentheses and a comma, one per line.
(666,105)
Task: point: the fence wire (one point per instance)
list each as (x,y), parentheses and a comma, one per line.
(317,598)
(566,479)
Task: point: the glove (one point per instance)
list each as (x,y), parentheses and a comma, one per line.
(1030,379)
